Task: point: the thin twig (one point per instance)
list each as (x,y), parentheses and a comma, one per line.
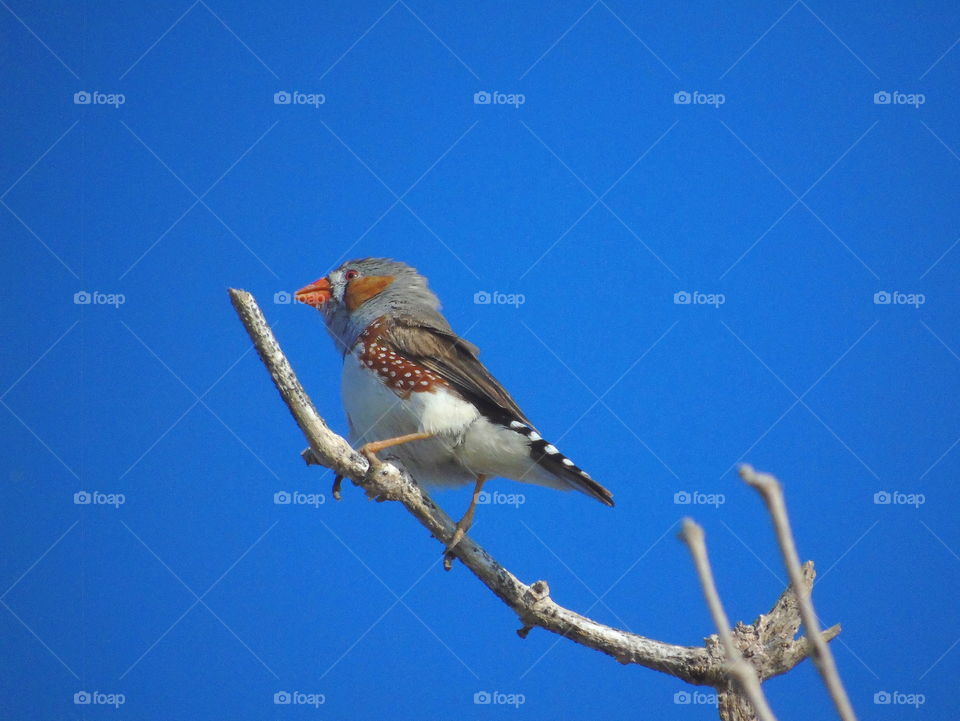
(772,493)
(746,676)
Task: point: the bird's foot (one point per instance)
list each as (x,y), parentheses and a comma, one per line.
(369,451)
(464,524)
(458,534)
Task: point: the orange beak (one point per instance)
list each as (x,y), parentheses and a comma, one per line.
(315,294)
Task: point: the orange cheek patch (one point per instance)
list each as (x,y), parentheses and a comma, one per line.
(363,289)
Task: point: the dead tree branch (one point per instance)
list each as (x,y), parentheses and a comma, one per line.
(772,493)
(769,644)
(740,671)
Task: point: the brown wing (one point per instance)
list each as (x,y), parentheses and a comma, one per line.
(444,352)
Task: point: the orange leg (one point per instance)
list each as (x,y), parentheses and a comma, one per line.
(370,450)
(463,525)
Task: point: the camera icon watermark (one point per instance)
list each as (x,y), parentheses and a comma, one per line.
(298,698)
(296,498)
(897,698)
(683,297)
(496,498)
(897,498)
(684,97)
(96,297)
(484,97)
(896,297)
(483,297)
(282,97)
(686,498)
(895,97)
(285,297)
(98,698)
(95,97)
(498,698)
(695,698)
(98,498)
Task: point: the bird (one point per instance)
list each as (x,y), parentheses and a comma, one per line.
(410,384)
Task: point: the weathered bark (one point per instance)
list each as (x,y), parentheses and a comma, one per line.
(768,645)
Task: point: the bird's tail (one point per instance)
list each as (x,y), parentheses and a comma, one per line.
(547,456)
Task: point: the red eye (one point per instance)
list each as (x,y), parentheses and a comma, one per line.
(351,274)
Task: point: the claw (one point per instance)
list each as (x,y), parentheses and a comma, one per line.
(448,551)
(370,454)
(457,537)
(463,525)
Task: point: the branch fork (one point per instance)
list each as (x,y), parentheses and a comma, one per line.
(735,662)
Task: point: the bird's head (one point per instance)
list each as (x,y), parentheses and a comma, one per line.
(358,292)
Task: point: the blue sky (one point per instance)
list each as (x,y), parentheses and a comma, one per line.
(791,170)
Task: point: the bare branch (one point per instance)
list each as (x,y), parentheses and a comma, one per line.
(769,642)
(774,650)
(739,669)
(531,603)
(772,493)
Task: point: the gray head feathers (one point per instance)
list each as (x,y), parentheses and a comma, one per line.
(405,294)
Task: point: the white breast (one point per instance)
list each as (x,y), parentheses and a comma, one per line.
(466,444)
(377,413)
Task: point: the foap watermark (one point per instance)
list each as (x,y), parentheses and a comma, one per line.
(684,97)
(496,498)
(483,297)
(482,97)
(896,297)
(897,698)
(282,97)
(299,698)
(98,498)
(95,97)
(284,297)
(694,698)
(98,698)
(685,498)
(897,498)
(296,498)
(96,297)
(895,97)
(499,698)
(682,297)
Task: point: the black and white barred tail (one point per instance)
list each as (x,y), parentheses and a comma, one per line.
(552,460)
